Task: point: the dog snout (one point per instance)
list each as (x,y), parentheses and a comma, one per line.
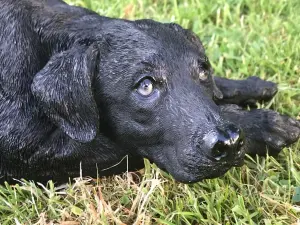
(224,143)
(228,143)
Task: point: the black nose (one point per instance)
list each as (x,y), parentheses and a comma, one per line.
(229,142)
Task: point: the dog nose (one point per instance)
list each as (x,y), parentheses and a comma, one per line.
(229,142)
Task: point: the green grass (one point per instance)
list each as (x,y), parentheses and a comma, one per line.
(242,38)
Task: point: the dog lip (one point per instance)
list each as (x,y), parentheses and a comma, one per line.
(209,161)
(239,156)
(215,165)
(238,163)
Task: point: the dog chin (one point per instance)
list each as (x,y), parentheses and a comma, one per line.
(189,177)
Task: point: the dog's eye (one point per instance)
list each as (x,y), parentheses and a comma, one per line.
(145,87)
(203,69)
(203,75)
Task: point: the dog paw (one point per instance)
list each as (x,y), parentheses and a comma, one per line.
(265,130)
(271,132)
(246,92)
(279,131)
(260,90)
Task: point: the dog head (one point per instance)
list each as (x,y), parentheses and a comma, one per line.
(147,86)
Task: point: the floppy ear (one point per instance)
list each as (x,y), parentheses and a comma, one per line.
(64,90)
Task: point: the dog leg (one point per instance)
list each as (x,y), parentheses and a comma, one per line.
(245,92)
(264,129)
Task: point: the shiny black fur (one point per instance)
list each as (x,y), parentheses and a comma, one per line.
(68,97)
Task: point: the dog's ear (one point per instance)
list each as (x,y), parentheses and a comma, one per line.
(63,88)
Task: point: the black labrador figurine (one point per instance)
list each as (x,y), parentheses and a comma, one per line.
(77,89)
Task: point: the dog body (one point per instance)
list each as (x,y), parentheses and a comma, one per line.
(78,88)
(28,138)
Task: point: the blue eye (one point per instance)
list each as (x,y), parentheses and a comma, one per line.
(145,87)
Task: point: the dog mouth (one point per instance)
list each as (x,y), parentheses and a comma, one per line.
(211,172)
(239,159)
(236,161)
(219,170)
(190,165)
(192,172)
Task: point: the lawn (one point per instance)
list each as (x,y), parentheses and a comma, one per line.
(242,38)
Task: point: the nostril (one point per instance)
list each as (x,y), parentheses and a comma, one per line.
(229,136)
(219,151)
(234,134)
